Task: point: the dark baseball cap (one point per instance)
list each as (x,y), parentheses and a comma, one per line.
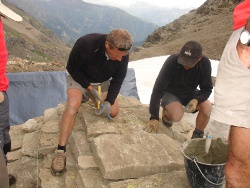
(190,53)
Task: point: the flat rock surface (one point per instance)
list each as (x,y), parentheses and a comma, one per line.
(102,153)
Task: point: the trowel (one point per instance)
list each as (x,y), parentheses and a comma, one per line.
(208,142)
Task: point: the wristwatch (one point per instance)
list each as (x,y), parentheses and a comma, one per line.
(245,37)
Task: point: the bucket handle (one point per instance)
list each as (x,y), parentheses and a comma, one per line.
(205,176)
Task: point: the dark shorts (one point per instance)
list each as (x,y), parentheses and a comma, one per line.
(182,99)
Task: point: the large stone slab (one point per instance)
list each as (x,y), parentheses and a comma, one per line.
(135,155)
(79,144)
(16,135)
(31,144)
(48,143)
(50,126)
(90,178)
(126,121)
(27,172)
(175,179)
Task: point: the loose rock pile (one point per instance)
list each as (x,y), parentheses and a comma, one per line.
(100,154)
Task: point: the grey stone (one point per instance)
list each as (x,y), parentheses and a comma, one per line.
(30,126)
(14,155)
(51,114)
(28,172)
(86,162)
(175,179)
(50,126)
(16,135)
(48,180)
(134,155)
(91,179)
(79,144)
(31,144)
(121,150)
(48,143)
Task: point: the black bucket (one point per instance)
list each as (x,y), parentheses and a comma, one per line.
(205,170)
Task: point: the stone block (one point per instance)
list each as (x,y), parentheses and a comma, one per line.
(50,114)
(86,162)
(135,155)
(91,179)
(50,126)
(79,144)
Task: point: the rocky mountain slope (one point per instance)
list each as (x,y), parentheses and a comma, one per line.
(70,19)
(31,46)
(210,24)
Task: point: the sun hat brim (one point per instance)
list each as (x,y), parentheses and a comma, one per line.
(9,13)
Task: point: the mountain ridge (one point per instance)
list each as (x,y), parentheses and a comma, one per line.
(210,24)
(31,46)
(72,19)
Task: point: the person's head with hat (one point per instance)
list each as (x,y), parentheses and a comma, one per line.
(8,13)
(190,54)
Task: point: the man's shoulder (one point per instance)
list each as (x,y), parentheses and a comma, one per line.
(93,42)
(92,37)
(205,60)
(172,59)
(173,56)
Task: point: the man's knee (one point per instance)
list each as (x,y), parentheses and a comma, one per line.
(73,107)
(114,113)
(74,102)
(205,108)
(174,111)
(176,117)
(173,115)
(114,109)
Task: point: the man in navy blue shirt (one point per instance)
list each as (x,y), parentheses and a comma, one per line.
(96,59)
(176,86)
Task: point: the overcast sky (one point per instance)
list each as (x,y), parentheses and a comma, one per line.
(159,3)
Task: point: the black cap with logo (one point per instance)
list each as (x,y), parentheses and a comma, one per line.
(190,53)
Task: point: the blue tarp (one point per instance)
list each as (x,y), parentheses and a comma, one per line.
(30,93)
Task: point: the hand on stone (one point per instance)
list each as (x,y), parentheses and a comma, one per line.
(152,126)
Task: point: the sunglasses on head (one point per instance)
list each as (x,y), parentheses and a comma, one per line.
(120,49)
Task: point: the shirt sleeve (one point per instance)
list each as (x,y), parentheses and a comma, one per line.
(77,58)
(205,85)
(117,80)
(160,86)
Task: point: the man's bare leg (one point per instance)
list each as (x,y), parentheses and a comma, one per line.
(203,116)
(237,169)
(68,118)
(58,166)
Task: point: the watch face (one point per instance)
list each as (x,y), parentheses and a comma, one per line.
(245,37)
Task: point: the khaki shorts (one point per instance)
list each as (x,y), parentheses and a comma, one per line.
(231,96)
(72,84)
